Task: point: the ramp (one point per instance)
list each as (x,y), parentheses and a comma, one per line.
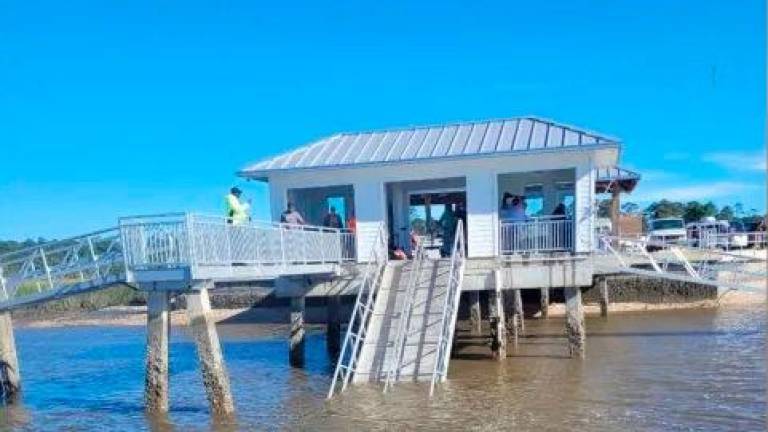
(729,270)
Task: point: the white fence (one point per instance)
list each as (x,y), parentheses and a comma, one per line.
(174,240)
(536,235)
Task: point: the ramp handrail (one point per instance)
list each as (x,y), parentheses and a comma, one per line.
(36,270)
(406,311)
(357,328)
(681,263)
(450,309)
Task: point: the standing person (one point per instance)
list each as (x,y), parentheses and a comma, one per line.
(236,209)
(290,216)
(352,222)
(332,219)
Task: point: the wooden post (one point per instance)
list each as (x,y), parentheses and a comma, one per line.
(574,321)
(333,331)
(475,315)
(10,379)
(544,303)
(603,285)
(296,343)
(519,311)
(215,377)
(615,206)
(498,327)
(156,379)
(510,316)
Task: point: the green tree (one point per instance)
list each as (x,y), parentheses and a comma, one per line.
(665,209)
(695,211)
(726,213)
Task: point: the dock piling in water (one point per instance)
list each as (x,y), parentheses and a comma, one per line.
(475,317)
(156,379)
(544,302)
(213,368)
(603,285)
(296,343)
(574,322)
(10,379)
(497,321)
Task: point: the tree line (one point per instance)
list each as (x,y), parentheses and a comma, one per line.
(690,211)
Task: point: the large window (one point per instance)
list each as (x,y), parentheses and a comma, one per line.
(534,200)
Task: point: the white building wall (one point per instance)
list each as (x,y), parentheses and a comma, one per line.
(371,215)
(585,210)
(481,214)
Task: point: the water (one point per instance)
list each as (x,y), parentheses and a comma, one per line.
(677,370)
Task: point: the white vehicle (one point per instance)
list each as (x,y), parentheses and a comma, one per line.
(711,233)
(667,230)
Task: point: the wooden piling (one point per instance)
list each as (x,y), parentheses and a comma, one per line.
(544,303)
(333,330)
(296,343)
(574,322)
(498,327)
(603,285)
(10,378)
(213,368)
(475,316)
(156,378)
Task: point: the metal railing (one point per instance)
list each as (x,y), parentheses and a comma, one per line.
(198,241)
(33,271)
(346,364)
(406,311)
(536,235)
(450,309)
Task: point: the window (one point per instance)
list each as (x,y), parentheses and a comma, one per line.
(534,200)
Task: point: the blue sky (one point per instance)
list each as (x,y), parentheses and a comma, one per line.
(141,107)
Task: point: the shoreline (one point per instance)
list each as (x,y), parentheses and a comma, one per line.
(130,316)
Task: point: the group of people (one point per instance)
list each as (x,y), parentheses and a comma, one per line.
(513,209)
(238,211)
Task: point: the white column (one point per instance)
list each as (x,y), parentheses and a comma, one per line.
(481,214)
(370,213)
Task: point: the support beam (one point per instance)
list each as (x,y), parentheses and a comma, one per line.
(215,377)
(603,285)
(156,379)
(498,327)
(615,210)
(475,315)
(333,326)
(10,379)
(574,322)
(544,303)
(296,343)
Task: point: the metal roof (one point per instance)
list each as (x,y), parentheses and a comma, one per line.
(506,136)
(609,178)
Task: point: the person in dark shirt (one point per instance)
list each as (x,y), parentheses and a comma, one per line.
(332,219)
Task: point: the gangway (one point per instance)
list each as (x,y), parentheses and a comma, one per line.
(408,322)
(711,266)
(173,250)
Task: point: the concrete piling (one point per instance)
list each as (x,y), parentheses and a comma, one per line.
(296,343)
(544,303)
(498,326)
(333,326)
(603,285)
(10,379)
(156,379)
(574,322)
(214,371)
(475,316)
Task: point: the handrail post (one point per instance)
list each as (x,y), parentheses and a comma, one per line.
(47,269)
(94,258)
(282,244)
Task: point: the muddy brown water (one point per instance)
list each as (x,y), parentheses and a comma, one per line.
(657,371)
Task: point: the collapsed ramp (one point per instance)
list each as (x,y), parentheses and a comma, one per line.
(728,270)
(403,323)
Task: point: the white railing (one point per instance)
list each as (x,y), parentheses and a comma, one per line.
(406,311)
(198,241)
(536,235)
(450,309)
(346,364)
(95,257)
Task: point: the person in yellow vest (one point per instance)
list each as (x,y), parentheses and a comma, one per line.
(237,210)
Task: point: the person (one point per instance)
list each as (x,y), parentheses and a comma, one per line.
(332,219)
(290,216)
(236,209)
(352,222)
(448,223)
(559,212)
(512,208)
